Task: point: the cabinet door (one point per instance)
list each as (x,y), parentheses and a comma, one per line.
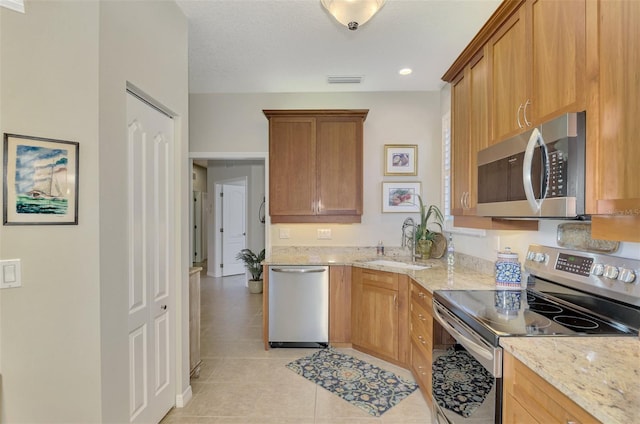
(292,166)
(375,324)
(460,145)
(613,155)
(339,154)
(339,305)
(558,58)
(509,85)
(379,320)
(470,133)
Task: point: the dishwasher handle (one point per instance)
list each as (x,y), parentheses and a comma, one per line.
(298,270)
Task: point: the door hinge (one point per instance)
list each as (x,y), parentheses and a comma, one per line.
(221,230)
(221,194)
(221,265)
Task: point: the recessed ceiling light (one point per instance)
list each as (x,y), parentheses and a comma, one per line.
(405,71)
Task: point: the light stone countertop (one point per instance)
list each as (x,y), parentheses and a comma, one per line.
(463,276)
(601,374)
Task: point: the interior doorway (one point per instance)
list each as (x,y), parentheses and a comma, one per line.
(230,220)
(224,167)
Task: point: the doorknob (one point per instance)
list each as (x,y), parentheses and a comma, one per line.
(163,307)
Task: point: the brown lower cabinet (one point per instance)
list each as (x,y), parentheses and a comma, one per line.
(340,305)
(529,399)
(380,314)
(421,329)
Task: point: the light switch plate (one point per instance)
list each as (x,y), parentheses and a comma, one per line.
(285,233)
(10,273)
(324,234)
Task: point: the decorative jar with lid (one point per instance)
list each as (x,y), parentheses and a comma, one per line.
(508,275)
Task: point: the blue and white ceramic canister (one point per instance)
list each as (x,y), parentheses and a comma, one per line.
(508,275)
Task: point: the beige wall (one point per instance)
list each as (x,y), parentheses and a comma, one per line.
(63,73)
(235,123)
(50,326)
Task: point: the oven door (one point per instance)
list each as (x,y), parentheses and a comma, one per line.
(455,398)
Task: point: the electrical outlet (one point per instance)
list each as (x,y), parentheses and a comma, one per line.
(324,234)
(496,243)
(285,233)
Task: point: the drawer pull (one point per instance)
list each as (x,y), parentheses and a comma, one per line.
(421,295)
(421,317)
(422,340)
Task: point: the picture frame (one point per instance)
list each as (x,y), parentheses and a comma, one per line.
(401,159)
(401,197)
(40,181)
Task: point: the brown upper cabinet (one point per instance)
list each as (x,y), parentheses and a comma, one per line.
(613,149)
(470,122)
(537,65)
(315,165)
(545,58)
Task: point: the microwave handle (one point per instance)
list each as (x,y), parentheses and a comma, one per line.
(535,140)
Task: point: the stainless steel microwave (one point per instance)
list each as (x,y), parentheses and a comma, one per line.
(537,174)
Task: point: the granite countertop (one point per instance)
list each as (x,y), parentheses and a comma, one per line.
(601,374)
(437,277)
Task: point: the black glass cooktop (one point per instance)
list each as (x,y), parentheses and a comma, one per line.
(501,313)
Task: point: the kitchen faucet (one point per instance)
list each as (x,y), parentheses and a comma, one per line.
(409,238)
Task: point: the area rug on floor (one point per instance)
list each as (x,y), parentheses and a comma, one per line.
(460,383)
(366,386)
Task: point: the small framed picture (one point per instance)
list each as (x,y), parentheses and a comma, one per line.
(40,181)
(401,197)
(400,159)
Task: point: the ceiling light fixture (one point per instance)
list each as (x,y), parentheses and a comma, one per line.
(405,71)
(352,13)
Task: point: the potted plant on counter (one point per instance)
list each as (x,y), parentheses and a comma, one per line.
(253,263)
(425,237)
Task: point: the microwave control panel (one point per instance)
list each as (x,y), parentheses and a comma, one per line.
(557,169)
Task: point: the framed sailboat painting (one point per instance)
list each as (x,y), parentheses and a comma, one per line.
(40,181)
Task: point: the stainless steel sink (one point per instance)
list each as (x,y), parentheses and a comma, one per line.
(397,264)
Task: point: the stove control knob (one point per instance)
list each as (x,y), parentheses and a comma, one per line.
(531,255)
(610,271)
(540,257)
(627,275)
(598,269)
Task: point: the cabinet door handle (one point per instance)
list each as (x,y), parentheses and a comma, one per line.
(524,113)
(518,116)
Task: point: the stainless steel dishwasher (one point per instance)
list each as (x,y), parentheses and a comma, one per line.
(298,306)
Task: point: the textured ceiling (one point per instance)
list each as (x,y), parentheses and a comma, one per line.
(257,46)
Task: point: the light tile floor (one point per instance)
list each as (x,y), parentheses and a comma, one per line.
(240,382)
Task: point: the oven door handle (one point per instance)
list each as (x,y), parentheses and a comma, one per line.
(437,414)
(470,344)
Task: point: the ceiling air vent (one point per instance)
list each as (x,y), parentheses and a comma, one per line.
(344,79)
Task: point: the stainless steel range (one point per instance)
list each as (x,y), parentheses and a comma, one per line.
(568,294)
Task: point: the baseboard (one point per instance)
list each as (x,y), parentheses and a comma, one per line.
(184,398)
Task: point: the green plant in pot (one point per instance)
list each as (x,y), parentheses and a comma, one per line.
(253,263)
(429,215)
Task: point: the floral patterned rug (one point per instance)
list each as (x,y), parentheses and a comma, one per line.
(364,385)
(460,383)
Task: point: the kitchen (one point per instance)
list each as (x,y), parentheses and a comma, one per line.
(226,124)
(484,247)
